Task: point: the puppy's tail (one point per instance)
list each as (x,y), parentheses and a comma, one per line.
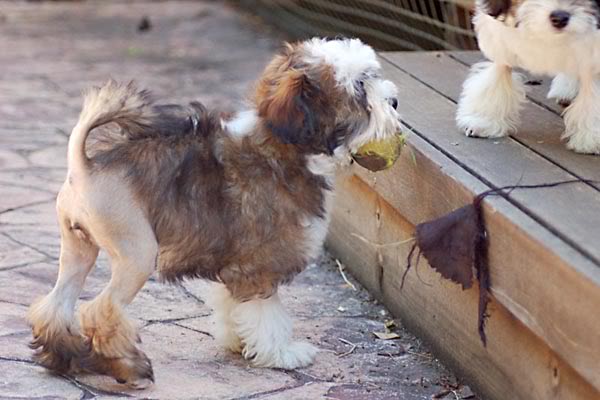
(123,104)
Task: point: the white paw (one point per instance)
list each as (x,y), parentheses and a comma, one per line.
(564,89)
(582,124)
(294,355)
(585,143)
(490,101)
(482,128)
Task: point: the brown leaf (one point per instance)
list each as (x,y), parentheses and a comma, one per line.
(386,335)
(448,244)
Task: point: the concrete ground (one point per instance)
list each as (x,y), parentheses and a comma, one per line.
(200,50)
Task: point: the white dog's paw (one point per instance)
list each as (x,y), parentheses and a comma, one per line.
(564,89)
(292,356)
(582,124)
(584,142)
(481,128)
(490,101)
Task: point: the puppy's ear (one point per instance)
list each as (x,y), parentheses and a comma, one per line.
(294,108)
(495,8)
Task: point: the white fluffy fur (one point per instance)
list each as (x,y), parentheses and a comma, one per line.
(352,62)
(260,329)
(582,120)
(350,57)
(491,100)
(526,38)
(223,304)
(564,89)
(242,124)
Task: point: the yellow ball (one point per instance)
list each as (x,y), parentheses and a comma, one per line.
(379,155)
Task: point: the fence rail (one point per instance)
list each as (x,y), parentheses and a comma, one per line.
(386,24)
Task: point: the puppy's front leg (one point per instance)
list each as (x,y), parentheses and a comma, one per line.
(223,304)
(491,100)
(582,118)
(265,330)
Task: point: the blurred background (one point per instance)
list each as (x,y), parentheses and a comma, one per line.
(385,24)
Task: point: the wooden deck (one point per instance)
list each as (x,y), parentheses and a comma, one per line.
(544,328)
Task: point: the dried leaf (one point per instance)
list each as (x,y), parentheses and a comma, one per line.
(386,335)
(448,244)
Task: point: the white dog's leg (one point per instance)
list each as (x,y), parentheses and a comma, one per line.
(223,304)
(265,329)
(564,89)
(491,100)
(582,119)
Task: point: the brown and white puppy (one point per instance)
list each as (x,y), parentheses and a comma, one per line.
(244,203)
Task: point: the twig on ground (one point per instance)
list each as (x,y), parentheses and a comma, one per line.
(422,355)
(344,354)
(344,277)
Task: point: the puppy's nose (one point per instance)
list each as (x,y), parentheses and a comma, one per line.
(559,18)
(394,103)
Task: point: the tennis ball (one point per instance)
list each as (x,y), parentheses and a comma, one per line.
(379,155)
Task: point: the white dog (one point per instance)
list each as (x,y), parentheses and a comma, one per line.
(560,38)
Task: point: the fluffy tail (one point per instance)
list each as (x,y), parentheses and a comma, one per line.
(123,104)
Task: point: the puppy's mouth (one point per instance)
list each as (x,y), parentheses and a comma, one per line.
(379,155)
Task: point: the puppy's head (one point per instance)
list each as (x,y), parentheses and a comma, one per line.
(327,96)
(548,17)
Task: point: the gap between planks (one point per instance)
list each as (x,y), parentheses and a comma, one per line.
(529,207)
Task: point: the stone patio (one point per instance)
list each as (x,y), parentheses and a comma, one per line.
(204,50)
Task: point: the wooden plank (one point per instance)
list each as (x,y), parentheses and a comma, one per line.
(540,129)
(558,305)
(536,93)
(573,212)
(563,294)
(515,365)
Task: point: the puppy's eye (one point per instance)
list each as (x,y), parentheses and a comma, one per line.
(361,93)
(360,87)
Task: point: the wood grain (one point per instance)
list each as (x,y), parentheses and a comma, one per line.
(540,128)
(572,212)
(515,365)
(544,283)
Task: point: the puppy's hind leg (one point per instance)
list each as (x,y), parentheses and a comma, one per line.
(564,89)
(57,336)
(132,249)
(265,330)
(491,100)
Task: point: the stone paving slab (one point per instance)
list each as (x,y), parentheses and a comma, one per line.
(197,50)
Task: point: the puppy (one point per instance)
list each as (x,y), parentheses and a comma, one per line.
(559,38)
(244,203)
